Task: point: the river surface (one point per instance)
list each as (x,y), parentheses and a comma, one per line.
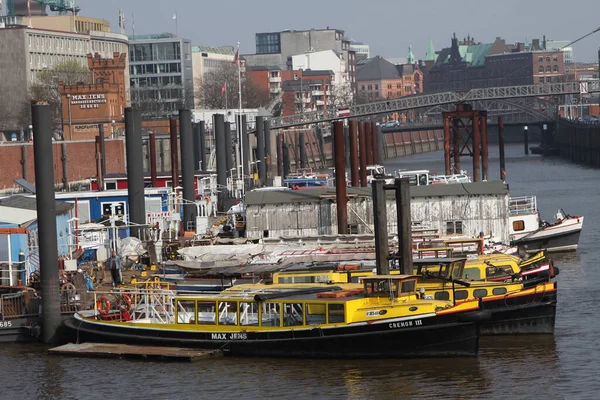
(565,365)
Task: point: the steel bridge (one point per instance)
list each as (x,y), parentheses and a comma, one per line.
(505,100)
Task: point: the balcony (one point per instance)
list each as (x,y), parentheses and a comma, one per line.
(275,79)
(317,93)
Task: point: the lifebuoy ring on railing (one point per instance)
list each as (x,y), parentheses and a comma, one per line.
(103,305)
(124,303)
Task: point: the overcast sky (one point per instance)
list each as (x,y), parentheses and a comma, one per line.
(388,26)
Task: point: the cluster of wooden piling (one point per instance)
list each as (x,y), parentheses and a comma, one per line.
(579,143)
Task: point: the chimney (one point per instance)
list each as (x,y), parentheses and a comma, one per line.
(520,47)
(535,44)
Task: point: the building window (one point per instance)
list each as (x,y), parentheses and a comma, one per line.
(555,68)
(370,87)
(548,79)
(547,58)
(548,68)
(398,86)
(541,79)
(376,87)
(389,85)
(541,69)
(363,87)
(454,227)
(540,59)
(268,43)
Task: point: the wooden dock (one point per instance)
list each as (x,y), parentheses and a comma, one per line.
(110,350)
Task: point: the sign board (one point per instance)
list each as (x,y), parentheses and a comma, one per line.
(88,100)
(344,112)
(155,217)
(583,88)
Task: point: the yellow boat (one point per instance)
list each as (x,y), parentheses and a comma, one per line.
(385,316)
(517,306)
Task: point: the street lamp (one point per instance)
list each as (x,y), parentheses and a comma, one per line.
(30,132)
(113,129)
(70,121)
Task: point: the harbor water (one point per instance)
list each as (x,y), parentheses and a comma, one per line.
(563,365)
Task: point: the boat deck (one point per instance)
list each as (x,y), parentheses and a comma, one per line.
(110,350)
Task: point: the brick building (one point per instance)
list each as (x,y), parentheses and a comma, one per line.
(103,101)
(468,64)
(380,79)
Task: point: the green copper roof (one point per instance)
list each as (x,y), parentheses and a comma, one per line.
(410,59)
(430,55)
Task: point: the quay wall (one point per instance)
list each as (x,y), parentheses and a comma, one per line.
(579,143)
(80,161)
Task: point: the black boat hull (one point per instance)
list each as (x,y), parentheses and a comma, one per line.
(443,336)
(531,314)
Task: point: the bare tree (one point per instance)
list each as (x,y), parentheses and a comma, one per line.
(45,87)
(221,86)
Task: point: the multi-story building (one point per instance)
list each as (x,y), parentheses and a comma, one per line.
(467,65)
(362,50)
(27,51)
(277,48)
(327,60)
(101,102)
(161,75)
(380,79)
(207,60)
(271,78)
(563,46)
(311,91)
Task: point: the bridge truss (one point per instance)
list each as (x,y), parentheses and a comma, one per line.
(507,95)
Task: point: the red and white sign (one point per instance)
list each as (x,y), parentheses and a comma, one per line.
(344,112)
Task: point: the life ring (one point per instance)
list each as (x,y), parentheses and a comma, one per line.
(124,303)
(103,305)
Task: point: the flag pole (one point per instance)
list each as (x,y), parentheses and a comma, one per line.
(240,155)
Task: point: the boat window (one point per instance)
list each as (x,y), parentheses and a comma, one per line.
(293,314)
(480,293)
(383,287)
(472,274)
(270,314)
(228,312)
(186,309)
(502,271)
(248,314)
(518,225)
(315,314)
(335,313)
(408,286)
(461,294)
(442,296)
(206,312)
(499,290)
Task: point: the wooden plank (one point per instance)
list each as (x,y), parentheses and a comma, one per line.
(111,350)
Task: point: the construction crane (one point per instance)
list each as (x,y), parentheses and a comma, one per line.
(38,7)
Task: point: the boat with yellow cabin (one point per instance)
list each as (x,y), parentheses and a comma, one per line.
(385,317)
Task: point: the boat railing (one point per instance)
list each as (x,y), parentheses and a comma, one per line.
(522,205)
(18,305)
(151,305)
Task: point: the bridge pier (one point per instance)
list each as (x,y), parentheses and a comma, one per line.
(465,133)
